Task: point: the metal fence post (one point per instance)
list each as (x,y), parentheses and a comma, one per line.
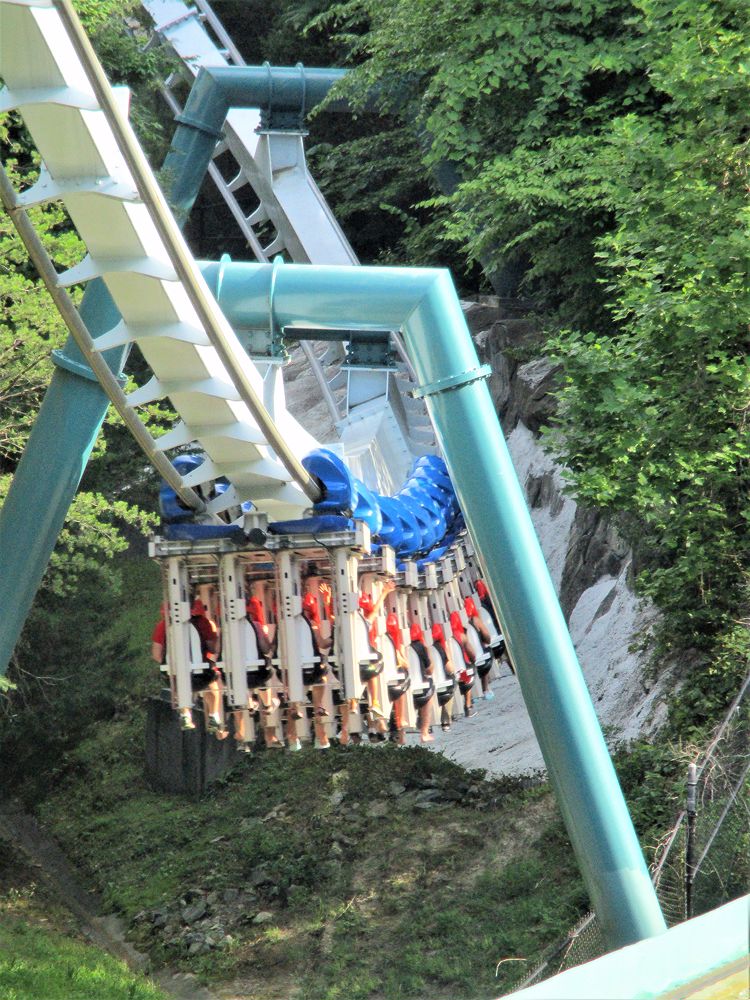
(691,810)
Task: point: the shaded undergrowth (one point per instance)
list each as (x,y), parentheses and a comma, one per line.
(379,872)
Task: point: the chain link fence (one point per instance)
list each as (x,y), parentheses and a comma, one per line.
(704,860)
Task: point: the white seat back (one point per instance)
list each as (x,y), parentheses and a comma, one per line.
(364,650)
(495,637)
(457,657)
(439,675)
(253,658)
(418,683)
(391,673)
(481,655)
(305,646)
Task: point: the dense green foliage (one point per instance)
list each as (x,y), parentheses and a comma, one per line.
(82,659)
(368,165)
(654,413)
(517,98)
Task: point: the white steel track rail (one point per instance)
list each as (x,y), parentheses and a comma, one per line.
(80,333)
(135,246)
(381,426)
(271,164)
(179,25)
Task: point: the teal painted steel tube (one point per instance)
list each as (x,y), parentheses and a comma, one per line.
(289,91)
(279,92)
(550,676)
(318,295)
(425,305)
(50,470)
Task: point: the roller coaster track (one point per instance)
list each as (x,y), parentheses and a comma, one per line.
(93,165)
(269,168)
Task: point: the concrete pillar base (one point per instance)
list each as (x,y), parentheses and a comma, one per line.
(184,762)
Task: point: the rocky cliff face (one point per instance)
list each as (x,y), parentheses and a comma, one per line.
(589,562)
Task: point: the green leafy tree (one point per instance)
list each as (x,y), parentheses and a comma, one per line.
(654,420)
(516,99)
(368,165)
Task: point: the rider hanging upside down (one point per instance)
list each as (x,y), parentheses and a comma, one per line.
(465,681)
(394,631)
(370,612)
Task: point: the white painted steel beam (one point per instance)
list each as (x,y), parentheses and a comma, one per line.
(82,159)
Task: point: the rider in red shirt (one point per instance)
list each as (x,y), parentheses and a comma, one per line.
(484,637)
(417,644)
(159,639)
(394,631)
(209,682)
(438,641)
(464,678)
(311,613)
(370,610)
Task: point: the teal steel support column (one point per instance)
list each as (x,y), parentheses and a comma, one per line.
(550,676)
(425,305)
(50,470)
(283,94)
